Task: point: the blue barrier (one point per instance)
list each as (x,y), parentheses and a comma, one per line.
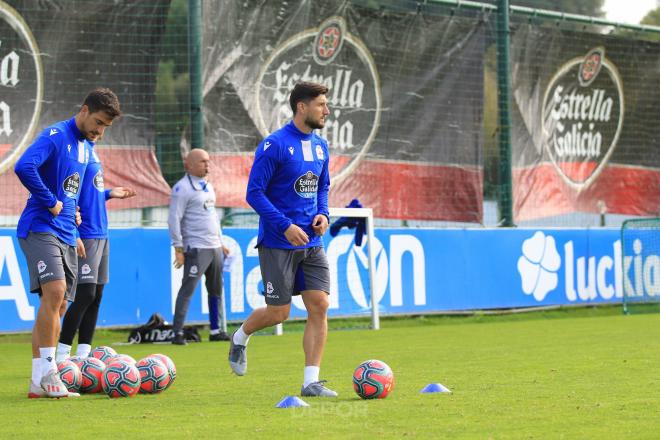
(417,271)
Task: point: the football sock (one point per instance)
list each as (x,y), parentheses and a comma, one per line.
(240,337)
(36,371)
(47,359)
(63,352)
(83,350)
(215,331)
(311,374)
(214,314)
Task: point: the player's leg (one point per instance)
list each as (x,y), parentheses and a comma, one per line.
(191,275)
(88,323)
(313,282)
(88,275)
(85,296)
(277,269)
(53,268)
(99,275)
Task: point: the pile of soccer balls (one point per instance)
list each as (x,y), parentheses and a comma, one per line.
(117,375)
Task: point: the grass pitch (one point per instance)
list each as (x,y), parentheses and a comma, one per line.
(577,374)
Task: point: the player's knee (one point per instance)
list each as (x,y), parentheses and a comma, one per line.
(63,308)
(318,304)
(52,295)
(278,314)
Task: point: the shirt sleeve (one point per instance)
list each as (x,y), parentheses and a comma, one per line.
(107,194)
(177,209)
(324,187)
(27,170)
(266,159)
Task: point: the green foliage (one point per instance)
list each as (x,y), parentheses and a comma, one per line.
(652,18)
(173,92)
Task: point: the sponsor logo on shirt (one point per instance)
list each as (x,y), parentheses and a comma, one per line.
(71,185)
(98,181)
(267,145)
(307,185)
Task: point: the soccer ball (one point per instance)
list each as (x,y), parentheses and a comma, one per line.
(121,379)
(169,364)
(124,358)
(103,353)
(92,373)
(373,379)
(70,375)
(154,375)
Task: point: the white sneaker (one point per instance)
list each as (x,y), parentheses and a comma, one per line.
(53,387)
(35,391)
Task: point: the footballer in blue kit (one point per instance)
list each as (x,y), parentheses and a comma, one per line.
(53,169)
(288,187)
(93,267)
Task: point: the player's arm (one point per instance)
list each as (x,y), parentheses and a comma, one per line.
(178,203)
(322,218)
(27,170)
(263,169)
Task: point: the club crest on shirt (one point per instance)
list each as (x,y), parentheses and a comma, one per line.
(41,266)
(209,204)
(319,153)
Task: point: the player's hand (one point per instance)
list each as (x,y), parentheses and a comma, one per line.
(122,192)
(296,235)
(225,250)
(55,210)
(179,259)
(80,248)
(78,216)
(320,224)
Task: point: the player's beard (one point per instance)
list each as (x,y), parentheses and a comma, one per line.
(314,125)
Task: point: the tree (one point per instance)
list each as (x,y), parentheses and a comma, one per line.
(652,18)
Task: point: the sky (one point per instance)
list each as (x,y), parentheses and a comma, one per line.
(628,11)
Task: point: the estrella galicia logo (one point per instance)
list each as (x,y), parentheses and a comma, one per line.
(71,185)
(583,110)
(98,181)
(332,56)
(538,265)
(21,85)
(307,185)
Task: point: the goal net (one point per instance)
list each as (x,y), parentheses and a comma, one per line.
(640,253)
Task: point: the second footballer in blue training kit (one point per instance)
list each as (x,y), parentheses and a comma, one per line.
(93,268)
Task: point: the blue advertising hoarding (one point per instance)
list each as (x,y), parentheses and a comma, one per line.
(417,271)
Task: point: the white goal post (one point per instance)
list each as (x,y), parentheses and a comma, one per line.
(367,214)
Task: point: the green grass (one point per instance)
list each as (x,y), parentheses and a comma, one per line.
(588,373)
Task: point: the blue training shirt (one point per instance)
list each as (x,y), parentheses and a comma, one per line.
(52,169)
(93,196)
(289,183)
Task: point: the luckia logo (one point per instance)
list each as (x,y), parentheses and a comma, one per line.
(21,85)
(538,265)
(583,111)
(329,55)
